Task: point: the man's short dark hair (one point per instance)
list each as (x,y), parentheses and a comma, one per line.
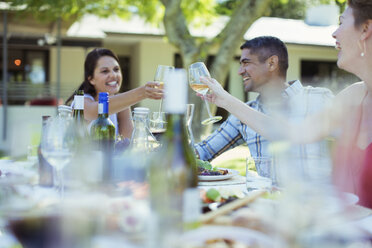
(266,46)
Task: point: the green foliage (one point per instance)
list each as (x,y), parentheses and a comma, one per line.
(226,7)
(50,10)
(292,9)
(199,12)
(341,4)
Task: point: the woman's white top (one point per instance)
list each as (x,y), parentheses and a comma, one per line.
(112,117)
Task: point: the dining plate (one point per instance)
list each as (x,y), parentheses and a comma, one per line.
(243,235)
(229,175)
(340,201)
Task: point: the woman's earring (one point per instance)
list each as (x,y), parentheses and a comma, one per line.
(364,49)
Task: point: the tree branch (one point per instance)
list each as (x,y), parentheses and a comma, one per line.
(177,31)
(231,36)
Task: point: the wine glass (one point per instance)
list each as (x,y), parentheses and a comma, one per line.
(157,128)
(161,73)
(189,116)
(57,145)
(197,70)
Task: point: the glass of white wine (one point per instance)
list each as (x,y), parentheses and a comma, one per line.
(161,73)
(197,70)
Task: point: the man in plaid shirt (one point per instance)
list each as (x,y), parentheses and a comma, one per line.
(263,67)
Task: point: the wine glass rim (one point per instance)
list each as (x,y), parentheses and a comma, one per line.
(166,66)
(193,65)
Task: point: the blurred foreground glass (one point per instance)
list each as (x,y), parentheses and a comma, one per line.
(174,195)
(197,70)
(189,116)
(57,145)
(311,169)
(262,180)
(32,154)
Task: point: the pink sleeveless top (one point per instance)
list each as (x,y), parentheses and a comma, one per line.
(352,169)
(365,184)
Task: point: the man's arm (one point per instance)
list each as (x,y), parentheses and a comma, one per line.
(224,138)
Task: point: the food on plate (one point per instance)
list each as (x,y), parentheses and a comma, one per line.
(249,218)
(224,243)
(206,169)
(203,164)
(220,195)
(220,243)
(274,195)
(138,190)
(128,214)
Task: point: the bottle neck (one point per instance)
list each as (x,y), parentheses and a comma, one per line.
(78,102)
(140,120)
(64,115)
(103,109)
(176,127)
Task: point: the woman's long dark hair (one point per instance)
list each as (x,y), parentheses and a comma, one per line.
(89,67)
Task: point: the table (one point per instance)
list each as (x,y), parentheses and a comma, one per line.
(362,218)
(107,241)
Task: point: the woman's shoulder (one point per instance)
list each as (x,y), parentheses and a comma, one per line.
(89,96)
(353,94)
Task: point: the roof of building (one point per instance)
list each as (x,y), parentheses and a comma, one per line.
(288,30)
(292,31)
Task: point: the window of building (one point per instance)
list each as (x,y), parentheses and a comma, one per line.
(325,74)
(124,62)
(28,74)
(27,66)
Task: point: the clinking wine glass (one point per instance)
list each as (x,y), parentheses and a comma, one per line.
(161,73)
(197,70)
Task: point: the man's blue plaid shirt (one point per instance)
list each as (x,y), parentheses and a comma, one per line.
(231,133)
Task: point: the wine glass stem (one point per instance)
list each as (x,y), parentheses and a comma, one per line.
(160,108)
(192,142)
(60,183)
(208,109)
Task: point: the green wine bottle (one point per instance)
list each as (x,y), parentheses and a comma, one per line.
(78,114)
(173,180)
(102,133)
(102,128)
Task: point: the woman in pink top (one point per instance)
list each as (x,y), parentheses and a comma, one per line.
(350,113)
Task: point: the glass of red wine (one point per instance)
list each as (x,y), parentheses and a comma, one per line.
(158,128)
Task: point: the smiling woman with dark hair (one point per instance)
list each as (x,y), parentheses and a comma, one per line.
(350,115)
(102,74)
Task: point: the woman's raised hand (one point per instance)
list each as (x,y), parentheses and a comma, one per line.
(154,90)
